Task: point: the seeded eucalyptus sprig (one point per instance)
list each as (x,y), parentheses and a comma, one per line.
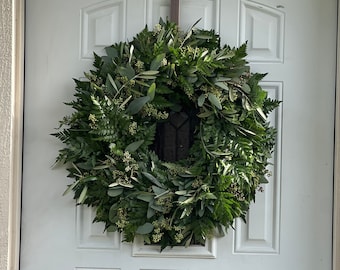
(109,138)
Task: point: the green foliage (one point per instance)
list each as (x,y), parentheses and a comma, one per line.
(108,137)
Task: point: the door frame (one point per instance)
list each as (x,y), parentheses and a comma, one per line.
(13,130)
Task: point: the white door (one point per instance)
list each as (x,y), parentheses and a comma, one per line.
(289,227)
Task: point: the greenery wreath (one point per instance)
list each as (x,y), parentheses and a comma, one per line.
(110,137)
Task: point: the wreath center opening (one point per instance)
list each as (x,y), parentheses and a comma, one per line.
(175,136)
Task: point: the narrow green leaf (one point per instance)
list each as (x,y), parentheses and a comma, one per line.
(245,103)
(149,72)
(261,113)
(205,114)
(152,179)
(131,53)
(145,228)
(112,82)
(181,192)
(145,77)
(89,178)
(82,195)
(70,187)
(152,91)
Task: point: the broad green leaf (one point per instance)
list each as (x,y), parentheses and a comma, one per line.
(111,228)
(157,61)
(150,213)
(201,212)
(246,88)
(137,104)
(201,100)
(158,190)
(132,147)
(151,91)
(114,192)
(158,208)
(145,228)
(127,71)
(147,197)
(111,52)
(215,101)
(263,180)
(222,85)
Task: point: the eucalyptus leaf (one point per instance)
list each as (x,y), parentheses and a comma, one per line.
(82,196)
(146,197)
(158,190)
(152,91)
(132,147)
(127,71)
(149,73)
(150,212)
(246,88)
(222,85)
(214,100)
(261,113)
(71,187)
(157,61)
(201,100)
(145,228)
(111,52)
(152,179)
(112,82)
(205,114)
(137,104)
(114,192)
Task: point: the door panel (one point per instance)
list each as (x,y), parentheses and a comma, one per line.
(290,224)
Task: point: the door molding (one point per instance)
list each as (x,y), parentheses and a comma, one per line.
(15,129)
(336,187)
(16,91)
